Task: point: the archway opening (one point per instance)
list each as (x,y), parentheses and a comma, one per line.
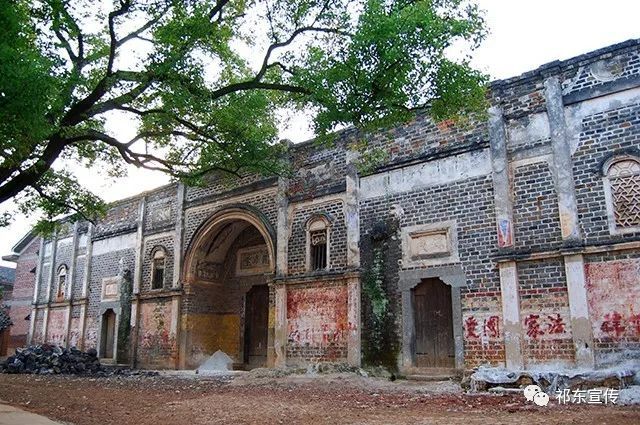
(108,332)
(227,293)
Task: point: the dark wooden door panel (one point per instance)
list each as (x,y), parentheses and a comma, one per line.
(256,319)
(433,324)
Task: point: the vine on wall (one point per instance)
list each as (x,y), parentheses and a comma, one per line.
(381,345)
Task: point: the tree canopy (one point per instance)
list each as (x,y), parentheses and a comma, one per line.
(203,82)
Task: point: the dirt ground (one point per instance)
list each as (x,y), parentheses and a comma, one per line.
(334,399)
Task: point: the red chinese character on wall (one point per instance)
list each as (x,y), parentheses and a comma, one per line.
(612,324)
(492,327)
(634,320)
(471,325)
(555,325)
(533,326)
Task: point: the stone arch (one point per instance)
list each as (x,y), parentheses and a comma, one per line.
(216,223)
(228,268)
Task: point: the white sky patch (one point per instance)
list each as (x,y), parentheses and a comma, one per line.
(523,36)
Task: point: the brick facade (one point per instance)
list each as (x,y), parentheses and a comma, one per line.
(514,215)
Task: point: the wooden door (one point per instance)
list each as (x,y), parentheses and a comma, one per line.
(433,324)
(256,326)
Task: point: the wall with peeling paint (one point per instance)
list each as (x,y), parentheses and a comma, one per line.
(514,214)
(317,323)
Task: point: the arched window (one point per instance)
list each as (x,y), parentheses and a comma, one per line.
(317,244)
(62,282)
(622,184)
(158,268)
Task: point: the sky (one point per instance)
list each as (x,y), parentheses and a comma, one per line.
(524,34)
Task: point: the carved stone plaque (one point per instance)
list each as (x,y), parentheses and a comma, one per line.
(253,260)
(429,244)
(110,288)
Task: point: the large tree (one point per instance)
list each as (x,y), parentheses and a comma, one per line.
(203,82)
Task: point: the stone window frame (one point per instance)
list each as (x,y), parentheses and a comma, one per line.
(61,289)
(607,168)
(315,223)
(158,253)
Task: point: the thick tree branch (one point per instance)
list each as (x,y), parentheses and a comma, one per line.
(217,9)
(125,5)
(31,175)
(273,47)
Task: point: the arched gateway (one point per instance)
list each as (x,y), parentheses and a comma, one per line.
(228,266)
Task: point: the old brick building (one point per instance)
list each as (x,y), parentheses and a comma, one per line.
(512,241)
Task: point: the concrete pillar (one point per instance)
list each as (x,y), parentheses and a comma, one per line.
(408,329)
(36,293)
(52,268)
(561,164)
(511,315)
(83,320)
(45,324)
(137,273)
(174,329)
(578,306)
(282,228)
(135,320)
(178,235)
(52,276)
(137,281)
(280,339)
(38,277)
(86,279)
(87,262)
(501,186)
(352,216)
(32,325)
(68,290)
(353,317)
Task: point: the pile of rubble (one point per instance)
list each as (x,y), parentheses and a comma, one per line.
(549,379)
(50,359)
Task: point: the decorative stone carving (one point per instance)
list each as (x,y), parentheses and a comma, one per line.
(161,215)
(607,70)
(253,260)
(208,270)
(110,288)
(430,244)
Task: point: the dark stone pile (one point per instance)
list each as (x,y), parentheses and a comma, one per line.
(50,359)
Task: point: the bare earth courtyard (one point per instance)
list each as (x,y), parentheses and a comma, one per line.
(333,399)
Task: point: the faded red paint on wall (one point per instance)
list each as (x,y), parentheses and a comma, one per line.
(317,323)
(91,337)
(157,345)
(613,290)
(56,329)
(74,332)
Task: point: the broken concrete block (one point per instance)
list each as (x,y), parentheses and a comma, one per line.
(629,396)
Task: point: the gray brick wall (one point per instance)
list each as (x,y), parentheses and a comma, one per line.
(535,209)
(603,135)
(150,244)
(337,260)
